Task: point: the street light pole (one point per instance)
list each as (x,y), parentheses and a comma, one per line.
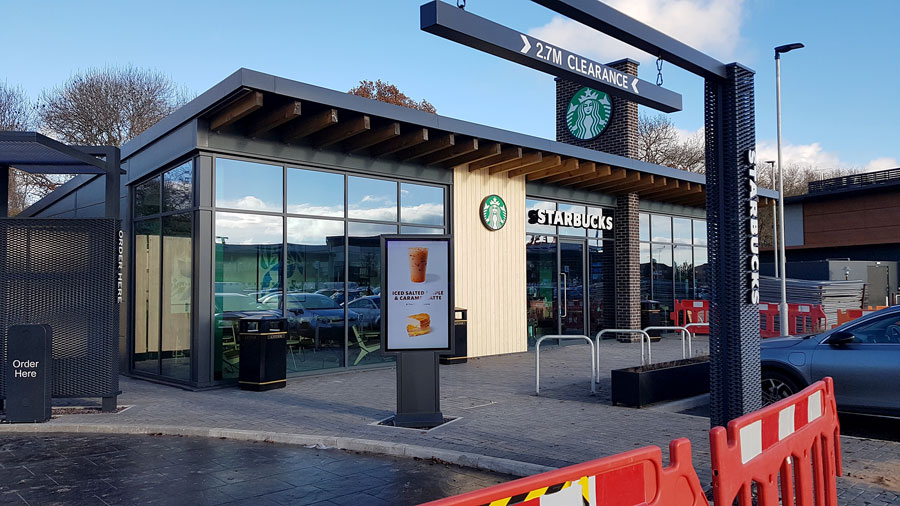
(783,308)
(774,220)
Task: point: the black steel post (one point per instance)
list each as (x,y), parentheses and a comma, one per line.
(113,181)
(734,318)
(4,187)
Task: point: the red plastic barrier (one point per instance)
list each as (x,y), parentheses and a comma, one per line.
(849,315)
(691,311)
(802,319)
(768,318)
(795,441)
(632,478)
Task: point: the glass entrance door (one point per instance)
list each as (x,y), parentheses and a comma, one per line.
(571,287)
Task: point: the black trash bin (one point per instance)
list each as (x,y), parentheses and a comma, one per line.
(460,338)
(263,355)
(652,316)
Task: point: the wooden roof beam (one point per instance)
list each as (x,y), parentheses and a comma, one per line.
(372,137)
(629,180)
(672,185)
(527,160)
(547,162)
(310,125)
(616,174)
(584,169)
(508,153)
(599,172)
(413,138)
(342,131)
(426,148)
(237,110)
(274,118)
(646,181)
(567,165)
(461,148)
(485,150)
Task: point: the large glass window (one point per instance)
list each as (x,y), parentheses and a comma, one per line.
(163,277)
(673,259)
(371,199)
(178,188)
(315,193)
(147,247)
(602,289)
(579,231)
(364,281)
(176,297)
(326,280)
(421,204)
(541,273)
(147,197)
(314,276)
(248,185)
(248,269)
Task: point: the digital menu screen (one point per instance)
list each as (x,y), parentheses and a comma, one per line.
(416,294)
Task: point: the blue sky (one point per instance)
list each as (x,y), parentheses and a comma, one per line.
(840,93)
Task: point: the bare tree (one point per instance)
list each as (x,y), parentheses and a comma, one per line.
(659,142)
(384,91)
(108,106)
(16,113)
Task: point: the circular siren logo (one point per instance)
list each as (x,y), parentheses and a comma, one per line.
(493,212)
(588,114)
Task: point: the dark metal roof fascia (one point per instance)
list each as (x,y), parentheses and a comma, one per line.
(58,194)
(246,78)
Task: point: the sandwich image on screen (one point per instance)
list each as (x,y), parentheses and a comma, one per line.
(418,324)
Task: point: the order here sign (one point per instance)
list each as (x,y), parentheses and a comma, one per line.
(416,293)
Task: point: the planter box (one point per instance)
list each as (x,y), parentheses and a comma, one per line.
(666,381)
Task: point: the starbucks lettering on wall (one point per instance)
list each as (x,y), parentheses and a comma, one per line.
(588,114)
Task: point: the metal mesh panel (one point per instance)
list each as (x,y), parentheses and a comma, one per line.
(734,320)
(63,272)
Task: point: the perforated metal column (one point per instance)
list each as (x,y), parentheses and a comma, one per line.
(734,320)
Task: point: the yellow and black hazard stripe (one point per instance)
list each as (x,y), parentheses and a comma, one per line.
(534,494)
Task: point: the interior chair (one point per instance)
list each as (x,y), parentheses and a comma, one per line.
(364,349)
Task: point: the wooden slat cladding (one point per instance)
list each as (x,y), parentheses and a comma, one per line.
(870,217)
(490,266)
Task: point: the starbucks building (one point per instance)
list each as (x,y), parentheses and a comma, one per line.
(269,196)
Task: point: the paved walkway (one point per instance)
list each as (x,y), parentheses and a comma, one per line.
(500,416)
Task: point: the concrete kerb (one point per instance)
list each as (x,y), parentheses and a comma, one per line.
(464,459)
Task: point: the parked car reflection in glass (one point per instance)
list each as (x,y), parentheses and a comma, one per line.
(369,310)
(314,317)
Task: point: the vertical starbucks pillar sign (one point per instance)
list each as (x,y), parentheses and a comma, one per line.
(417,321)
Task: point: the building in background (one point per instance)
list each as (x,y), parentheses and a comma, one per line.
(846,227)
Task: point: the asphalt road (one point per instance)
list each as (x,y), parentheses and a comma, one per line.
(79,470)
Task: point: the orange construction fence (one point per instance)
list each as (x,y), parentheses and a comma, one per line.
(786,453)
(691,311)
(794,443)
(633,478)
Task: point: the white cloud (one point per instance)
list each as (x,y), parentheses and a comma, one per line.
(813,155)
(882,163)
(807,155)
(711,26)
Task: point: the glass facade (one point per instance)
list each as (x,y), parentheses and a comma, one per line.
(570,275)
(305,243)
(163,277)
(673,259)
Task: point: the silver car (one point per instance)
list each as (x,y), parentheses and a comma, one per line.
(863,357)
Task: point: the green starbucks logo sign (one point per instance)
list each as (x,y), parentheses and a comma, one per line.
(588,114)
(493,212)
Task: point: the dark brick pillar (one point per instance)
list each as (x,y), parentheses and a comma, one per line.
(620,135)
(628,266)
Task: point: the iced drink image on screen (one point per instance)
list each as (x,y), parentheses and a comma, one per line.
(418,262)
